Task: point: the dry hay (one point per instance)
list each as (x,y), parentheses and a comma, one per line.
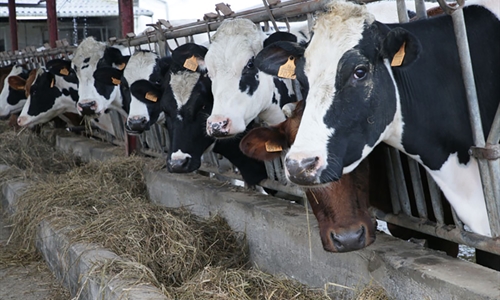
(372,293)
(30,154)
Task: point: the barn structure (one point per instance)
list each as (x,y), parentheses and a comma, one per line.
(407,180)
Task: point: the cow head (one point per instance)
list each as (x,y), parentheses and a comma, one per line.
(341,208)
(186,99)
(49,95)
(94,96)
(241,91)
(346,61)
(12,98)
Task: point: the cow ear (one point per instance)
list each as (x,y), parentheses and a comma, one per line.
(108,75)
(279,59)
(17,83)
(263,143)
(145,91)
(280,36)
(59,67)
(400,47)
(191,56)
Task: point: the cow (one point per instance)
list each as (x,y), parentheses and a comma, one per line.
(182,91)
(95,97)
(242,93)
(341,208)
(51,95)
(400,84)
(11,100)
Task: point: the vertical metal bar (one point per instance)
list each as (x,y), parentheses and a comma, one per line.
(52,22)
(418,189)
(458,223)
(494,165)
(13,25)
(437,205)
(420,9)
(404,199)
(402,11)
(396,207)
(492,207)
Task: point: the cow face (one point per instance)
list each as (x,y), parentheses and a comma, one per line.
(186,100)
(341,208)
(12,97)
(344,118)
(241,91)
(49,95)
(94,96)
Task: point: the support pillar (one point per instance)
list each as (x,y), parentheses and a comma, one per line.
(13,25)
(52,22)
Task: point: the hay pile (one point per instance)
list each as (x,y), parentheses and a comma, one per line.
(105,203)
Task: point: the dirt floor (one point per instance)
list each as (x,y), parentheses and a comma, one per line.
(32,281)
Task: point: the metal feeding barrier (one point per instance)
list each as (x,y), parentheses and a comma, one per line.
(406,178)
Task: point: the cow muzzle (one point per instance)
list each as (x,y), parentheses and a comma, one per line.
(180,165)
(137,125)
(218,126)
(303,171)
(350,239)
(87,108)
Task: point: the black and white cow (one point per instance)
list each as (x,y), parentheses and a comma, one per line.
(94,96)
(242,93)
(183,93)
(11,99)
(49,95)
(400,84)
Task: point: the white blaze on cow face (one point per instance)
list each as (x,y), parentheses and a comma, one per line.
(182,84)
(5,107)
(241,92)
(139,67)
(84,62)
(322,57)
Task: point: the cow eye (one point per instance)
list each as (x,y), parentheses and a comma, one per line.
(250,64)
(360,72)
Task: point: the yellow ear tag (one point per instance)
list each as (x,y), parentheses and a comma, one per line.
(272,147)
(398,58)
(121,66)
(287,70)
(151,97)
(191,64)
(52,83)
(64,72)
(115,81)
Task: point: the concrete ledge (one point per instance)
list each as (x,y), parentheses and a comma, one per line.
(72,263)
(278,238)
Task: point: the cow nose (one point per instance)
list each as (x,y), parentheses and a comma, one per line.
(137,124)
(303,171)
(218,127)
(87,108)
(21,121)
(349,240)
(180,165)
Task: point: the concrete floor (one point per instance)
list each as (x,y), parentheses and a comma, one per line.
(32,281)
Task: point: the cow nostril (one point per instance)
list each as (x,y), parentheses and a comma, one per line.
(310,163)
(336,241)
(361,235)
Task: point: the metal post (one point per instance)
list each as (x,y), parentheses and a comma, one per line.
(492,207)
(52,22)
(402,11)
(126,8)
(13,25)
(420,9)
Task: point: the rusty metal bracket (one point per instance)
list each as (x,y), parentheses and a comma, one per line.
(489,152)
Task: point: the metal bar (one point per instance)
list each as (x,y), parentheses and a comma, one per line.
(52,22)
(418,188)
(446,232)
(492,207)
(396,207)
(402,11)
(435,194)
(126,9)
(13,25)
(420,9)
(404,199)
